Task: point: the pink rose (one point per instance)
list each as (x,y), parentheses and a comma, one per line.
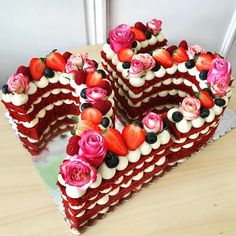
(190,107)
(121,37)
(92,147)
(152,122)
(70,67)
(18,83)
(78,59)
(89,65)
(155,26)
(192,50)
(147,60)
(136,66)
(95,94)
(78,172)
(219,87)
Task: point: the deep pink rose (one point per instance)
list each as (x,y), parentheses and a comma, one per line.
(92,147)
(95,94)
(89,65)
(121,37)
(190,107)
(136,66)
(192,50)
(147,60)
(155,26)
(78,172)
(18,83)
(152,122)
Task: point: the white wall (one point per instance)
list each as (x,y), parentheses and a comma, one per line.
(32,28)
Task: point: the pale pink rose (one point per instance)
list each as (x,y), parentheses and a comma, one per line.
(95,94)
(136,67)
(78,172)
(155,26)
(147,60)
(190,107)
(70,67)
(121,37)
(78,59)
(219,87)
(89,65)
(152,122)
(92,147)
(192,50)
(18,83)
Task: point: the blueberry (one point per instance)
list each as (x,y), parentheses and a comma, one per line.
(203,74)
(156,67)
(220,102)
(5,89)
(151,138)
(111,160)
(126,65)
(102,72)
(134,44)
(177,116)
(105,122)
(48,72)
(84,106)
(190,64)
(166,124)
(148,34)
(83,93)
(96,64)
(204,112)
(108,40)
(210,53)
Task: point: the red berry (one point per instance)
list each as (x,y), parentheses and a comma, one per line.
(138,34)
(204,61)
(183,44)
(36,68)
(106,86)
(216,55)
(23,70)
(80,76)
(133,135)
(163,57)
(125,54)
(66,55)
(205,99)
(92,114)
(115,142)
(103,106)
(56,61)
(93,79)
(84,125)
(180,55)
(72,147)
(139,25)
(171,49)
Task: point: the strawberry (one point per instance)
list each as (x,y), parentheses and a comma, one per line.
(163,57)
(205,99)
(139,25)
(72,147)
(125,54)
(171,49)
(183,44)
(103,106)
(92,114)
(180,55)
(84,125)
(204,61)
(93,79)
(23,70)
(36,67)
(138,34)
(106,86)
(66,55)
(133,135)
(56,61)
(216,55)
(80,76)
(114,142)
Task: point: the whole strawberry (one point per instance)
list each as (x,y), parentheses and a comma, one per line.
(72,147)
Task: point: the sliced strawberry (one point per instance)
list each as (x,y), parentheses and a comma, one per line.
(103,106)
(93,79)
(183,44)
(204,61)
(92,114)
(125,54)
(139,25)
(171,49)
(205,99)
(180,55)
(23,70)
(56,61)
(67,55)
(115,142)
(138,34)
(84,125)
(72,147)
(163,57)
(133,135)
(106,86)
(80,76)
(37,67)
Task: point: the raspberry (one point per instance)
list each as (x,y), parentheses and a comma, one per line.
(106,86)
(23,70)
(103,106)
(67,55)
(80,76)
(72,147)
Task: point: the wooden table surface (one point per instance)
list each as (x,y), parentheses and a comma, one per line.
(198,198)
